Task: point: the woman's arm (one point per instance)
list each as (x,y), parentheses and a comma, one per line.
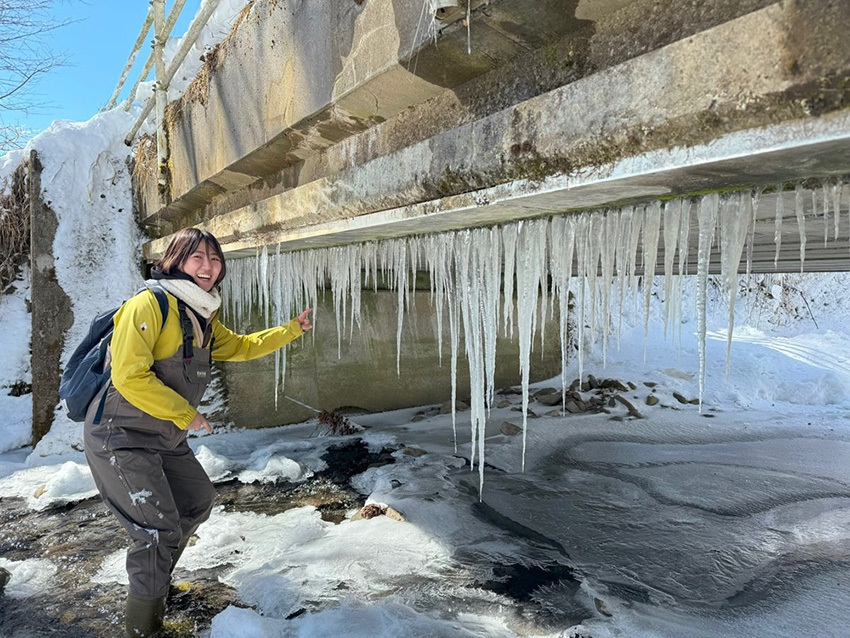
(137,327)
(230,346)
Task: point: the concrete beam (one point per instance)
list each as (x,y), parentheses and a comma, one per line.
(296,77)
(597,142)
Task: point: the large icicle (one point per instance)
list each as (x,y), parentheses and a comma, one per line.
(734,223)
(707,221)
(672,222)
(650,257)
(530,241)
(609,252)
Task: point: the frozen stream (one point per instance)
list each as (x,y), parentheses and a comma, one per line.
(737,529)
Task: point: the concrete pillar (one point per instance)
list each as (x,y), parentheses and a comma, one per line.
(51,308)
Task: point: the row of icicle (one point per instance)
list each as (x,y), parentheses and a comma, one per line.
(509,277)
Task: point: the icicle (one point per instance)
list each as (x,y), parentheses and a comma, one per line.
(801,221)
(561,243)
(754,205)
(622,259)
(684,254)
(650,257)
(399,263)
(672,222)
(582,224)
(609,251)
(734,222)
(825,214)
(594,248)
(707,222)
(528,283)
(836,208)
(488,245)
(780,213)
(509,237)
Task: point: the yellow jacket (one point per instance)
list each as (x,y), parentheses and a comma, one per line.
(138,341)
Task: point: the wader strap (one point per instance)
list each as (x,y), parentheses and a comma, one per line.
(188,331)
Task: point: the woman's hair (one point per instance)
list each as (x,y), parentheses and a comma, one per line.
(183,244)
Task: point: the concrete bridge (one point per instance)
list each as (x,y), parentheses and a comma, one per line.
(319,124)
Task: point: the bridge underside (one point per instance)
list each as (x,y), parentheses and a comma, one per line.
(737,96)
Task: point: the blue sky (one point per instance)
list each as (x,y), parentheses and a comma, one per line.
(97,46)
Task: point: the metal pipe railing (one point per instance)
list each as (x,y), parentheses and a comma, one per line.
(188,42)
(169,25)
(161,88)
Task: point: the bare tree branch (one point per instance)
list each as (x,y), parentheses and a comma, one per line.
(25,56)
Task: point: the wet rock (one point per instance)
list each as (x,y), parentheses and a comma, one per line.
(652,399)
(631,385)
(505,391)
(613,384)
(5,576)
(530,414)
(617,418)
(612,402)
(633,411)
(417,418)
(549,398)
(504,403)
(650,384)
(460,406)
(510,429)
(415,452)
(694,401)
(542,391)
(680,398)
(573,407)
(592,382)
(554,413)
(394,483)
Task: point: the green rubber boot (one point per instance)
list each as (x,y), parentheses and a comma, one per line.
(143,618)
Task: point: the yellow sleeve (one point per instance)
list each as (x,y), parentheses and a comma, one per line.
(137,327)
(230,346)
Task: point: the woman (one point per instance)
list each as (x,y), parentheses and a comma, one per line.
(135,429)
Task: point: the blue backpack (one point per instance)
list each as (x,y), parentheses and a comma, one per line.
(84,375)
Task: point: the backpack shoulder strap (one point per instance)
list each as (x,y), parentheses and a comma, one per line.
(162,299)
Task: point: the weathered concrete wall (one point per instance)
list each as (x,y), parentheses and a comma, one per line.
(365,376)
(297,77)
(751,71)
(51,308)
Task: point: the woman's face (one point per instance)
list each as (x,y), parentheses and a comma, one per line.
(204,266)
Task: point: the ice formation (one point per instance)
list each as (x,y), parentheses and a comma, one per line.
(507,277)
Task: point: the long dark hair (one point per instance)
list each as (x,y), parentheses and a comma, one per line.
(185,242)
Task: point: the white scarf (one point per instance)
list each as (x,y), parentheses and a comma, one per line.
(204,303)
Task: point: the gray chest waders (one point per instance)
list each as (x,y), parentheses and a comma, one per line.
(145,471)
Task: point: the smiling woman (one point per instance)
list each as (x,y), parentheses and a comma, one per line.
(135,430)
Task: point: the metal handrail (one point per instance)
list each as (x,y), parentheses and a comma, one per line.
(169,25)
(163,82)
(162,75)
